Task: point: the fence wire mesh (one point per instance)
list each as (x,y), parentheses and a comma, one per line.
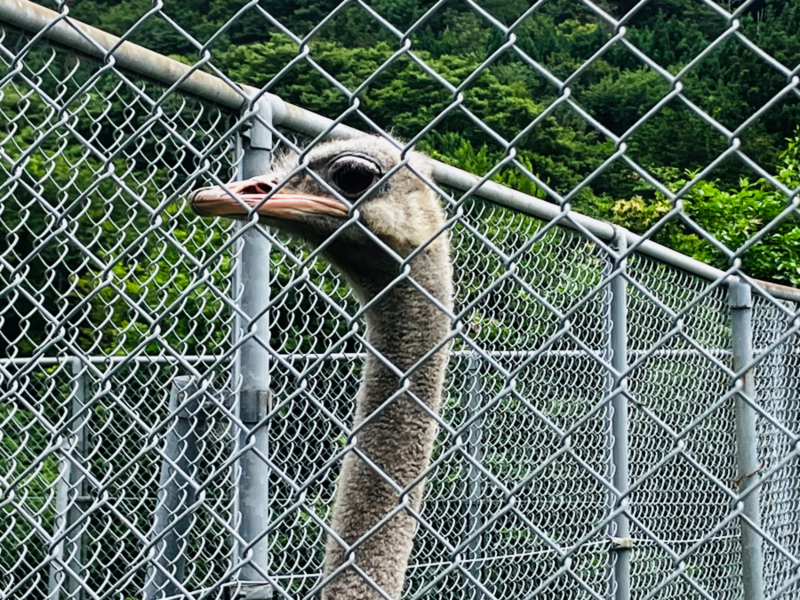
(112,289)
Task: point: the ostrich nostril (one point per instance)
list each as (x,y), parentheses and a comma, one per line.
(257,188)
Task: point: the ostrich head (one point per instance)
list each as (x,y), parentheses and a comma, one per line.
(357,198)
(369,210)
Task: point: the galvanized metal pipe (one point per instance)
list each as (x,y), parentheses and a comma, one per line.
(618,314)
(95,42)
(741,305)
(355,356)
(474,447)
(252,377)
(57,572)
(70,497)
(175,494)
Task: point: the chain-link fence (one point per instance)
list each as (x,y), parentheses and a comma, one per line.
(618,420)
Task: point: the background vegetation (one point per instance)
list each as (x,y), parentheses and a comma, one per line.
(730,84)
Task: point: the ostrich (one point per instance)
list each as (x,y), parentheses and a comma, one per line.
(393,429)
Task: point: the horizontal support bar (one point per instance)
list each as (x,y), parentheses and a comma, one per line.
(350,356)
(127,55)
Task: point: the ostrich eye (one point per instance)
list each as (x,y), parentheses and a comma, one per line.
(354,178)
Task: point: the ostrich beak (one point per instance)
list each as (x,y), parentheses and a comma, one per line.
(219,201)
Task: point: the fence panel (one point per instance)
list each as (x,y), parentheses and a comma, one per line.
(776,388)
(588,440)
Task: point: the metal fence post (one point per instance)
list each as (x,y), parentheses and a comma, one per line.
(621,542)
(70,497)
(473,515)
(252,378)
(741,305)
(174,494)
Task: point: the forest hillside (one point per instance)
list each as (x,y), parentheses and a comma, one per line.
(680,86)
(614,86)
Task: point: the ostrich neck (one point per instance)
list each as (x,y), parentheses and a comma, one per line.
(393,431)
(402,327)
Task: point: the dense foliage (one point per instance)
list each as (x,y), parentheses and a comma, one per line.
(617,89)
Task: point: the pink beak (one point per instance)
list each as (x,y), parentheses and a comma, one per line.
(219,201)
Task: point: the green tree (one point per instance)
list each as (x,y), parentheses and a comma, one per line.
(732,215)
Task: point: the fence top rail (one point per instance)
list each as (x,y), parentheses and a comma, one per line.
(59,28)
